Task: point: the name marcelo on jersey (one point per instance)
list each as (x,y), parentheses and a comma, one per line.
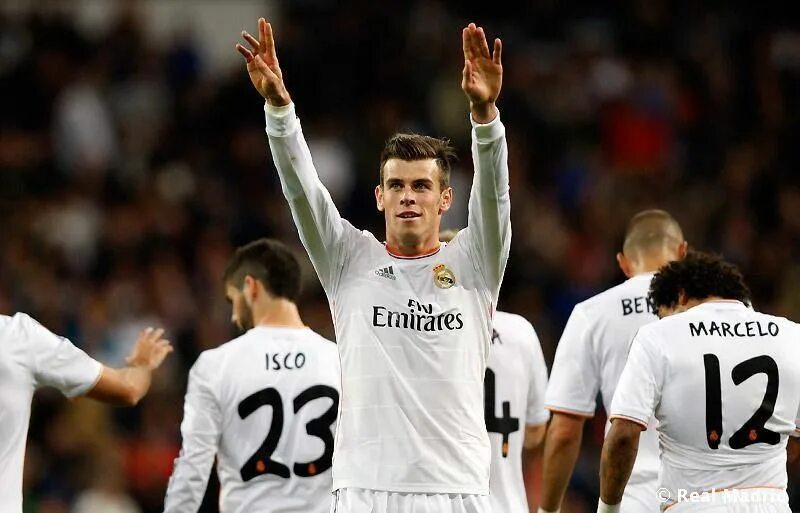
(419,317)
(736,329)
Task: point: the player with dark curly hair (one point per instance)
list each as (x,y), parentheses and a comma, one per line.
(723,382)
(698,277)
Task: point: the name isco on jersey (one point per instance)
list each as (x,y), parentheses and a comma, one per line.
(420,317)
(736,329)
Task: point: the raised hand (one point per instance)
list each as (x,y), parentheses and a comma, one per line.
(262,65)
(150,350)
(483,73)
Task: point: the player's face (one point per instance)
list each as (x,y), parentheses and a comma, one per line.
(412,199)
(241,313)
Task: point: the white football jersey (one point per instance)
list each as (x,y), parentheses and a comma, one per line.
(515,385)
(413,333)
(32,357)
(265,405)
(591,355)
(724,384)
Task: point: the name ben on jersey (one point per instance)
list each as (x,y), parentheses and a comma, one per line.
(419,317)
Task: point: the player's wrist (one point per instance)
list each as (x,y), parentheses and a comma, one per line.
(278,99)
(602,507)
(483,112)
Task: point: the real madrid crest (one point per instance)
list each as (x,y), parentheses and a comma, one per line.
(443,277)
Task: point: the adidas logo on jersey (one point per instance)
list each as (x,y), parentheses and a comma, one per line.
(386,272)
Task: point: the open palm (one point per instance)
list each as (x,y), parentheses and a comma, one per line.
(483,71)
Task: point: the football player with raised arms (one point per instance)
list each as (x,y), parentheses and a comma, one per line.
(32,357)
(591,355)
(412,316)
(265,403)
(722,380)
(516,419)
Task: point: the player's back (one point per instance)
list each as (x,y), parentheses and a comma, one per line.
(278,393)
(592,353)
(515,382)
(730,396)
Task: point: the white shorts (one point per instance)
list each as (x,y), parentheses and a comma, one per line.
(359,500)
(641,498)
(752,500)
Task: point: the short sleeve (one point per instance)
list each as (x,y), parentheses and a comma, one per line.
(536,412)
(56,362)
(639,388)
(574,379)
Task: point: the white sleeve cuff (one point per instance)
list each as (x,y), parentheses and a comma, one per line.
(487,132)
(280,120)
(602,507)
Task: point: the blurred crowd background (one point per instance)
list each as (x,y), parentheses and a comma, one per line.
(133,161)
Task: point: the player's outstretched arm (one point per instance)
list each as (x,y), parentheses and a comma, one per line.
(616,462)
(319,224)
(262,65)
(489,205)
(125,387)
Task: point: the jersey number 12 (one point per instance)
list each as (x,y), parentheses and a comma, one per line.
(753,431)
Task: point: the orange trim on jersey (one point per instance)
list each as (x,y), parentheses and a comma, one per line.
(569,412)
(632,419)
(412,257)
(723,490)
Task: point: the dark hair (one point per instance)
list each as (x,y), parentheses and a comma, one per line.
(410,147)
(698,276)
(271,263)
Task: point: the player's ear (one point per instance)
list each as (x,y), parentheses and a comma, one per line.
(379,198)
(250,289)
(447,200)
(624,265)
(683,249)
(682,298)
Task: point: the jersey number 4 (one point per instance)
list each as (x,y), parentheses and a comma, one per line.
(261,461)
(504,425)
(753,431)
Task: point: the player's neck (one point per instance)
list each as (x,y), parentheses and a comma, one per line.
(695,302)
(420,247)
(278,313)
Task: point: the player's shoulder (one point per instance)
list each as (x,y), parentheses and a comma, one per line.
(510,321)
(18,325)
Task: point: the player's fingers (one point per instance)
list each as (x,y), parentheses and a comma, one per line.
(253,42)
(498,52)
(155,335)
(474,44)
(483,44)
(248,56)
(270,42)
(465,43)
